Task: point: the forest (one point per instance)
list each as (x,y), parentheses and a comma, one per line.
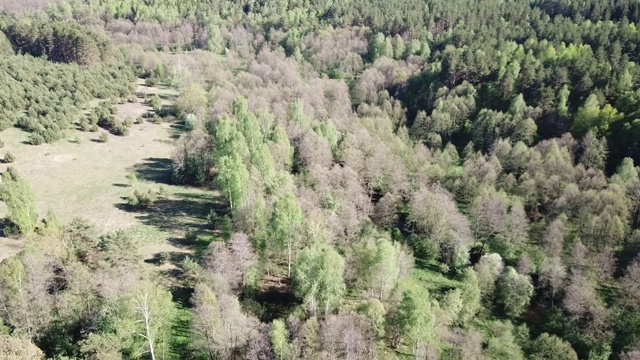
(410,179)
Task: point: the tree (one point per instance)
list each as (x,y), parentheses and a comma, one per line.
(551,347)
(553,240)
(286,223)
(488,269)
(591,117)
(234,179)
(208,323)
(232,260)
(347,336)
(192,100)
(514,291)
(594,151)
(471,296)
(25,303)
(16,348)
(380,265)
(553,275)
(318,277)
(220,327)
(502,342)
(279,337)
(412,320)
(152,313)
(436,219)
(17,194)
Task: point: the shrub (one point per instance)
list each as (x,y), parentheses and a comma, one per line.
(1,144)
(155,102)
(120,129)
(150,81)
(191,237)
(213,219)
(190,122)
(9,158)
(128,122)
(133,178)
(156,119)
(104,137)
(165,257)
(142,199)
(36,139)
(85,124)
(139,120)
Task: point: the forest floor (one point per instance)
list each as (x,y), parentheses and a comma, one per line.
(91,180)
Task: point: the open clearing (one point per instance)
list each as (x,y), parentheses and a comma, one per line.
(89,180)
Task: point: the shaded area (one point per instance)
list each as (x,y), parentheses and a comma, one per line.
(177,212)
(276,297)
(154,169)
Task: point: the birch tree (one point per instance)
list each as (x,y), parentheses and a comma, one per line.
(286,222)
(152,313)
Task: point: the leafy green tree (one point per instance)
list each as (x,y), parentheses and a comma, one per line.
(551,347)
(150,316)
(563,101)
(591,117)
(471,295)
(279,337)
(398,47)
(380,266)
(374,311)
(413,319)
(318,277)
(626,173)
(17,194)
(192,99)
(502,343)
(515,291)
(287,223)
(234,179)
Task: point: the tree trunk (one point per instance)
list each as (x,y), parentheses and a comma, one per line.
(290,245)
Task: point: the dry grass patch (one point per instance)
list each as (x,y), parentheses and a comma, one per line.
(87,178)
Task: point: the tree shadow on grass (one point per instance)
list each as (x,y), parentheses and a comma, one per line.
(154,169)
(181,211)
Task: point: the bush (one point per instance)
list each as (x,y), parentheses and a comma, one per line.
(165,257)
(128,122)
(104,137)
(155,102)
(156,119)
(150,81)
(1,144)
(85,124)
(142,199)
(139,120)
(36,139)
(213,219)
(120,129)
(9,158)
(190,122)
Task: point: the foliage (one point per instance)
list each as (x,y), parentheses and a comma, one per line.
(318,278)
(18,196)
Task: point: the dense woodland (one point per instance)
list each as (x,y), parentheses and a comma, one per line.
(421,179)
